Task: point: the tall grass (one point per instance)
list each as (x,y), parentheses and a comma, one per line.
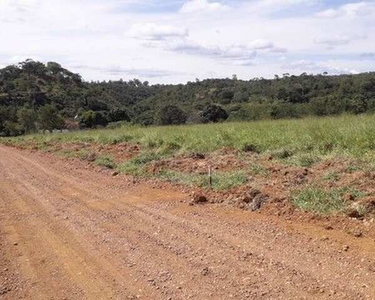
(354,135)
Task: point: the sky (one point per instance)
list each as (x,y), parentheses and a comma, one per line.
(175,41)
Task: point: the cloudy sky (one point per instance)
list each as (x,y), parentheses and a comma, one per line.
(172,41)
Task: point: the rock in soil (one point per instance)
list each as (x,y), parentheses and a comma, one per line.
(199,199)
(197,156)
(258,201)
(255,199)
(353,213)
(91,157)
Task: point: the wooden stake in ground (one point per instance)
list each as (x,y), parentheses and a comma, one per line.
(210,177)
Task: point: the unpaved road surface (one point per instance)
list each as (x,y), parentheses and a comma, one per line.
(68,232)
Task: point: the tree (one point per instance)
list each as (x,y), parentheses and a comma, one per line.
(368,88)
(3,119)
(358,104)
(49,118)
(117,115)
(240,97)
(214,113)
(54,68)
(90,119)
(227,94)
(145,118)
(12,128)
(32,67)
(172,115)
(27,118)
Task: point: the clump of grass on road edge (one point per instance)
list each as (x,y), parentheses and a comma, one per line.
(221,181)
(319,200)
(137,165)
(82,154)
(105,161)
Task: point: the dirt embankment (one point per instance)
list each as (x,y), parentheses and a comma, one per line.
(68,232)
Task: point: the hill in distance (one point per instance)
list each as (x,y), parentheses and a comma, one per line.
(36,96)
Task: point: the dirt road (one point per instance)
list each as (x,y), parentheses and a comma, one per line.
(68,232)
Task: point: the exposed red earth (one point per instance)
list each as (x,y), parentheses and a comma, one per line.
(71,231)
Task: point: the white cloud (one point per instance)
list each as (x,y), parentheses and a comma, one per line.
(18,4)
(223,53)
(17,10)
(264,7)
(121,71)
(354,9)
(152,31)
(368,55)
(249,41)
(264,45)
(328,13)
(289,2)
(202,6)
(311,66)
(238,53)
(338,40)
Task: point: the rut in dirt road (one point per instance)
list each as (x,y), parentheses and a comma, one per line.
(72,233)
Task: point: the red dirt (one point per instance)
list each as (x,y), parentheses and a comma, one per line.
(119,152)
(69,232)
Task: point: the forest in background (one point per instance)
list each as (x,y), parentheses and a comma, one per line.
(35,96)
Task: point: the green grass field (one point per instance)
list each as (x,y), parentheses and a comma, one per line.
(352,135)
(302,142)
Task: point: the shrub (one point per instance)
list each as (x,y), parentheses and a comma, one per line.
(118,115)
(49,118)
(214,114)
(90,119)
(172,115)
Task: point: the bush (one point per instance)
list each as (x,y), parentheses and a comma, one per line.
(49,118)
(146,118)
(172,115)
(12,128)
(27,119)
(90,119)
(214,114)
(118,115)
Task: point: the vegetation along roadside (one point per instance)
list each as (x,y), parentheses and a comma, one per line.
(321,165)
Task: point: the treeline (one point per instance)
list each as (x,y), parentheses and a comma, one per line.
(36,96)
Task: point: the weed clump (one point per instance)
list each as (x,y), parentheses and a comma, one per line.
(137,165)
(317,200)
(221,181)
(105,161)
(250,148)
(321,201)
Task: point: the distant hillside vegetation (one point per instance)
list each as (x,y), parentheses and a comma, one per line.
(36,96)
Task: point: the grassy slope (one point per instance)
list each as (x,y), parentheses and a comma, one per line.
(302,142)
(353,135)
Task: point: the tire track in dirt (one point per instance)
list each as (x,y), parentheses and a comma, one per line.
(47,237)
(160,243)
(125,241)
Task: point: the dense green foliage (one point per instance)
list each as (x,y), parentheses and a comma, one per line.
(36,96)
(172,115)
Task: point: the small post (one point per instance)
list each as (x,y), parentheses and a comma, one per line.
(210,177)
